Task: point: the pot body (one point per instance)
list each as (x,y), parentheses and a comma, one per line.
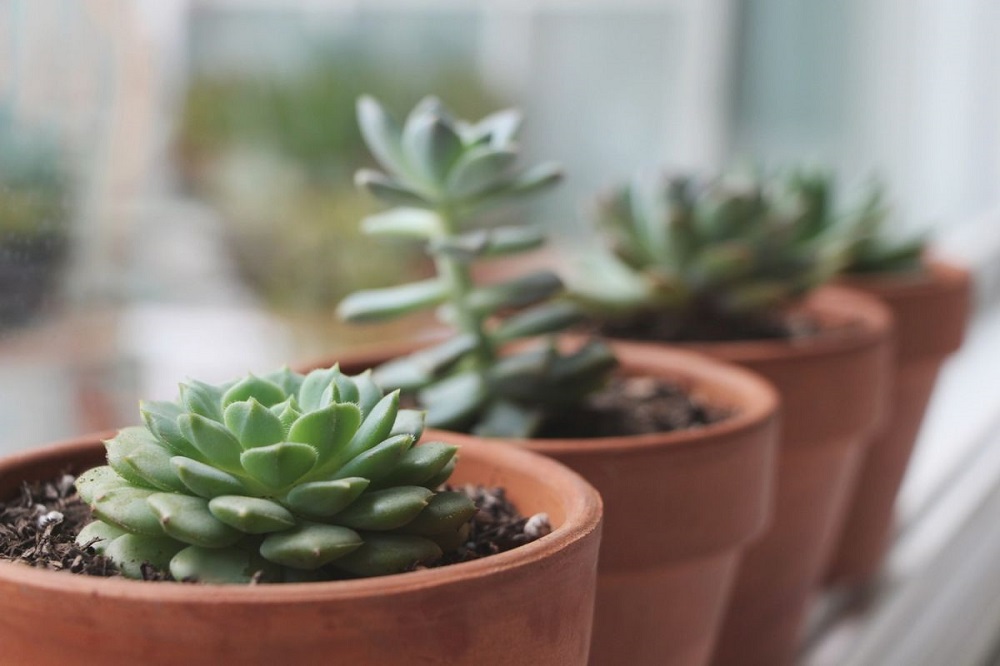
(833,388)
(536,600)
(679,508)
(931,310)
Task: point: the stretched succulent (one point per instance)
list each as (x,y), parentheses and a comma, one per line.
(716,251)
(440,172)
(284,477)
(861,237)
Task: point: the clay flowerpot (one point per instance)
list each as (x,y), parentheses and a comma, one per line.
(679,508)
(931,309)
(533,603)
(832,387)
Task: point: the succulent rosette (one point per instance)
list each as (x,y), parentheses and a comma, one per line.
(284,477)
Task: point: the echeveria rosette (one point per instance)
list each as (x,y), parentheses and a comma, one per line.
(439,172)
(298,477)
(726,249)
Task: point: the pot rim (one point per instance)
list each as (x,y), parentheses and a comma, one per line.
(936,277)
(583,515)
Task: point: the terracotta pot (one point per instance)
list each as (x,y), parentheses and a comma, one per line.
(832,387)
(931,310)
(679,507)
(533,603)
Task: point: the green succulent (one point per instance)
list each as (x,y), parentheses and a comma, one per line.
(861,237)
(726,250)
(298,477)
(441,172)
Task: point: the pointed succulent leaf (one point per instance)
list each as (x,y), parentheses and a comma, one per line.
(253,424)
(207,481)
(381,134)
(214,443)
(265,392)
(404,222)
(127,508)
(504,418)
(431,145)
(328,430)
(313,386)
(377,461)
(389,302)
(495,242)
(449,541)
(347,390)
(441,477)
(409,422)
(577,371)
(287,412)
(130,551)
(322,499)
(139,457)
(386,189)
(98,535)
(373,430)
(369,393)
(286,379)
(520,292)
(219,565)
(421,367)
(383,554)
(161,419)
(202,399)
(445,512)
(418,465)
(97,480)
(498,128)
(188,519)
(454,400)
(388,509)
(539,320)
(251,515)
(309,546)
(279,465)
(478,170)
(530,181)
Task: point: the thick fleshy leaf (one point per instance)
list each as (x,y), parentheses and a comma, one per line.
(313,386)
(127,508)
(252,515)
(369,393)
(581,372)
(130,551)
(387,509)
(207,481)
(327,430)
(454,400)
(139,457)
(373,430)
(431,146)
(389,302)
(384,554)
(478,170)
(322,499)
(387,189)
(419,464)
(504,418)
(279,465)
(441,477)
(539,320)
(253,424)
(499,128)
(343,389)
(530,181)
(265,392)
(381,134)
(203,399)
(288,380)
(161,419)
(404,222)
(516,293)
(215,444)
(188,519)
(409,422)
(376,462)
(98,535)
(445,512)
(496,242)
(220,565)
(96,480)
(421,367)
(287,412)
(309,546)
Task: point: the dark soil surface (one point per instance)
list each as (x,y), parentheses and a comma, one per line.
(39,528)
(632,406)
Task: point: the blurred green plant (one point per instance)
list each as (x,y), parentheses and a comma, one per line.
(274,155)
(34,218)
(716,259)
(295,477)
(441,173)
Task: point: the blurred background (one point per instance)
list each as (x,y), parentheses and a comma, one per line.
(175,178)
